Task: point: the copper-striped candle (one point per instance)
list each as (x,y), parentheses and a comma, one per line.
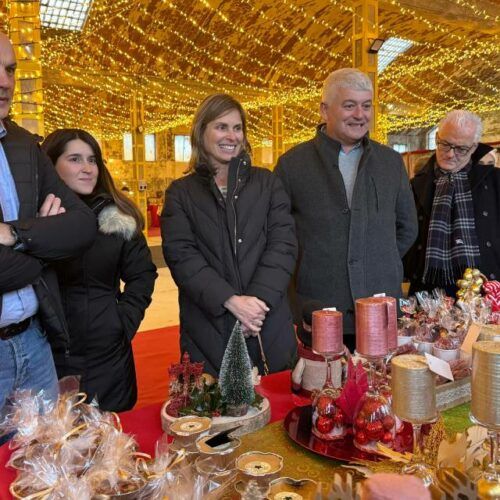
(485,387)
(413,389)
(392,323)
(372,320)
(327,332)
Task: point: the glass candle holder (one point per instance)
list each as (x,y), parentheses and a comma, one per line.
(374,420)
(328,420)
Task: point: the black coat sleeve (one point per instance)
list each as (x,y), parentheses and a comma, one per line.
(17,270)
(59,236)
(138,273)
(276,264)
(190,269)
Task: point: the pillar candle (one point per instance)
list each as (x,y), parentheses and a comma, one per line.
(485,403)
(413,389)
(327,332)
(372,320)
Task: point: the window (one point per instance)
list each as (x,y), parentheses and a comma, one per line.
(392,48)
(128,154)
(431,138)
(182,149)
(400,148)
(150,147)
(64,14)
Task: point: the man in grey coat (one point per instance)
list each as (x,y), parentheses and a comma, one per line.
(352,204)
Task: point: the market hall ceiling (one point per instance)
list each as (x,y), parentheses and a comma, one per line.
(175,52)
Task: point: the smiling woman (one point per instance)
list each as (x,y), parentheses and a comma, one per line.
(229,241)
(223,139)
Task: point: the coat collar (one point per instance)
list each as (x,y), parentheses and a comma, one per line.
(240,163)
(329,148)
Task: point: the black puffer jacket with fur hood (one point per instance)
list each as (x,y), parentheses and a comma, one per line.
(102,319)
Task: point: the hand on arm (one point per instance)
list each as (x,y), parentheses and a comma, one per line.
(51,206)
(6,237)
(250,311)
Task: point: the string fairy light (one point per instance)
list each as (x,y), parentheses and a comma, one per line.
(174,55)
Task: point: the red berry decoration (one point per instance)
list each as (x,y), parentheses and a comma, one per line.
(324,424)
(374,430)
(361,437)
(360,423)
(388,422)
(387,437)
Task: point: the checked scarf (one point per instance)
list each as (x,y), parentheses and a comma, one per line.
(452,243)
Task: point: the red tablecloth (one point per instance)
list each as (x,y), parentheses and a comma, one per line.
(145,423)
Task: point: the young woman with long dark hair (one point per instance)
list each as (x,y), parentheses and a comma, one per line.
(102,318)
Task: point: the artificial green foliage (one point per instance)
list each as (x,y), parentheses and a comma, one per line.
(204,402)
(235,378)
(207,402)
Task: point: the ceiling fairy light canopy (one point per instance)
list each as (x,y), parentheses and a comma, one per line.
(175,52)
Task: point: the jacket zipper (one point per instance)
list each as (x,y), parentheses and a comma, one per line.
(235,228)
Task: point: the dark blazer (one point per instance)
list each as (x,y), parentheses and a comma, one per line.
(45,239)
(103,319)
(217,248)
(347,253)
(485,187)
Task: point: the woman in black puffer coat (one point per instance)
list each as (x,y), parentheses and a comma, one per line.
(229,241)
(102,319)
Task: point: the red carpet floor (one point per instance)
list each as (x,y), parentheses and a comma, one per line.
(154,352)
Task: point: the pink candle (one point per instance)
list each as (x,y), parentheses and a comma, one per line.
(372,320)
(327,332)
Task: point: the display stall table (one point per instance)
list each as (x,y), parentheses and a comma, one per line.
(145,425)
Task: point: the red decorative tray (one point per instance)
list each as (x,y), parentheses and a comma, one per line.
(298,426)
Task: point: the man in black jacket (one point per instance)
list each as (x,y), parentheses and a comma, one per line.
(41,220)
(458,204)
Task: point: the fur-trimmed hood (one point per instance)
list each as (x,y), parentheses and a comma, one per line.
(112,221)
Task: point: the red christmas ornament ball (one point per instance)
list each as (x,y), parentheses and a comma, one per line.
(374,430)
(388,422)
(361,437)
(387,437)
(324,424)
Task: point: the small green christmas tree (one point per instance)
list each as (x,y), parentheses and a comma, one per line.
(235,378)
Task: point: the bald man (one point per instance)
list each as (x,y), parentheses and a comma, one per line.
(41,221)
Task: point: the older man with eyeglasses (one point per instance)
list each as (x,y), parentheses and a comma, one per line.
(458,205)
